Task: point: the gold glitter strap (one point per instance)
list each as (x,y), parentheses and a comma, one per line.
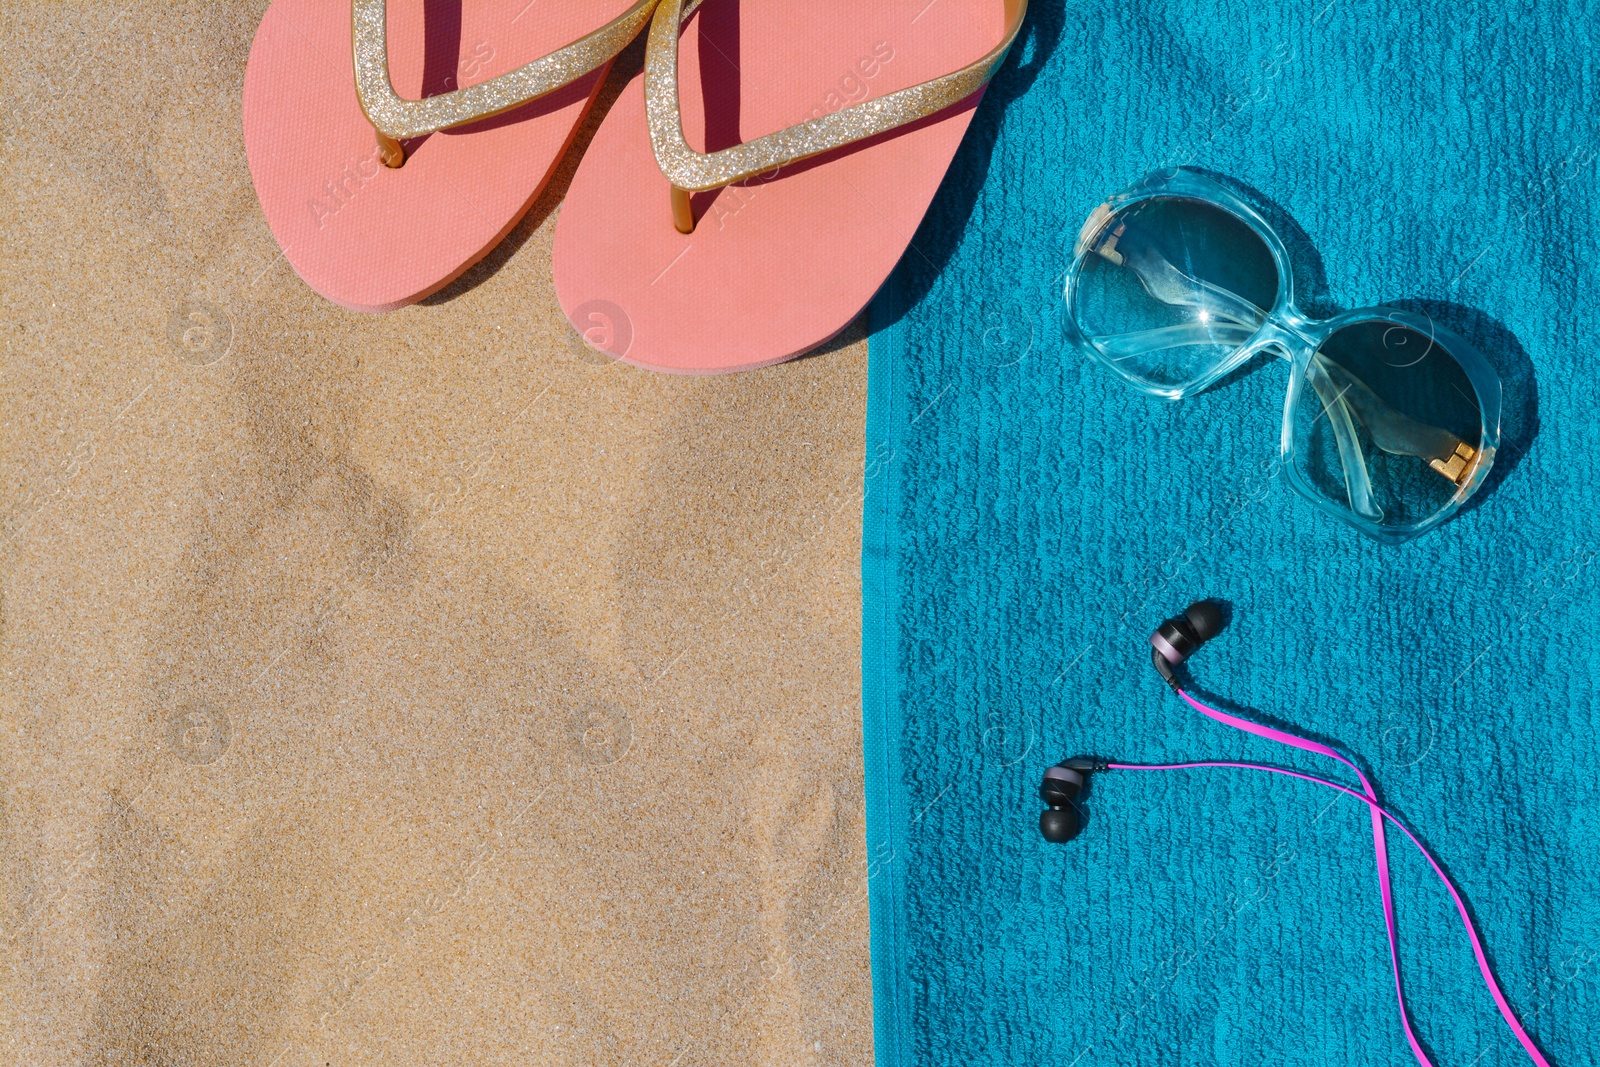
(691,171)
(395,119)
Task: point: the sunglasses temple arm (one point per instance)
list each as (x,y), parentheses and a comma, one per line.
(1396,433)
(1136,343)
(1172,285)
(1358,483)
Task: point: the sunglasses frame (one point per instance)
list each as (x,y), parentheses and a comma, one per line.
(1293,335)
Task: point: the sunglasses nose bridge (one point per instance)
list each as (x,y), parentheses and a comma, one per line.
(1284,336)
(1303,330)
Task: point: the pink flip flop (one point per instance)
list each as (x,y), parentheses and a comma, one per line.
(800,142)
(390,155)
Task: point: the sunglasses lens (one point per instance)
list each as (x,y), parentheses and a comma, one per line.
(1167,290)
(1387,424)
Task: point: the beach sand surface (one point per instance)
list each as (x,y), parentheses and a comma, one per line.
(406,689)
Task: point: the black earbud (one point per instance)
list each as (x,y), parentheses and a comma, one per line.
(1177,639)
(1062,784)
(1173,642)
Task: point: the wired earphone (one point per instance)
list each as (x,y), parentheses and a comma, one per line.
(1173,643)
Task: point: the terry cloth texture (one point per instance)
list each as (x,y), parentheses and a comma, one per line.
(1030,520)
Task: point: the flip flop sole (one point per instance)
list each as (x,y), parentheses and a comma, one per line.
(778,265)
(372,238)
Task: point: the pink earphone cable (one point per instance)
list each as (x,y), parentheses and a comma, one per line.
(1379,814)
(1380,847)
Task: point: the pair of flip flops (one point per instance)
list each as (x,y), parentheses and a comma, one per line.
(740,204)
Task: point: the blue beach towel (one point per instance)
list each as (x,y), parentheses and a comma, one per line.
(1030,520)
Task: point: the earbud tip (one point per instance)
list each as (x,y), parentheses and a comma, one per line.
(1206,618)
(1059,825)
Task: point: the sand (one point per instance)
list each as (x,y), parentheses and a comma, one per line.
(407,689)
